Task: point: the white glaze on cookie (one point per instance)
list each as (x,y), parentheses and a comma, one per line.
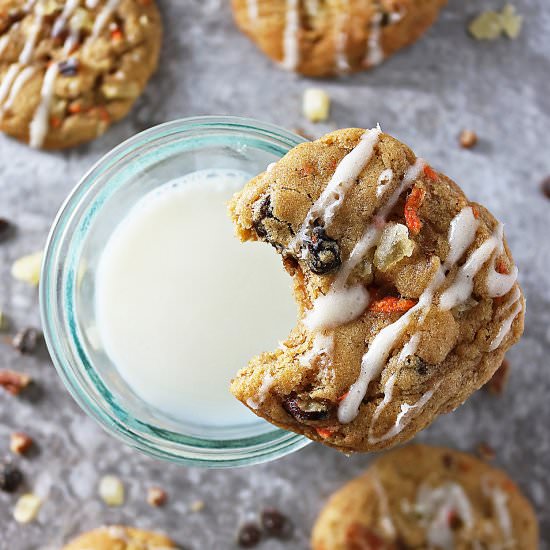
(506,325)
(30,42)
(385,180)
(39,124)
(376,356)
(103,16)
(267,381)
(60,23)
(341,39)
(291,44)
(375,53)
(499,284)
(22,78)
(499,501)
(252,10)
(386,522)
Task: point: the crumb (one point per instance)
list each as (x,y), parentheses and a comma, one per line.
(490,25)
(111,490)
(156,496)
(27,268)
(316,105)
(20,443)
(27,508)
(468,139)
(197,506)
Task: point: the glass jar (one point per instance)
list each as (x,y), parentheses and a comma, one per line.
(82,227)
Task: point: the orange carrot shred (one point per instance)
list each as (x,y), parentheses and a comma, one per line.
(116,35)
(343,396)
(324,432)
(430,172)
(75,108)
(55,122)
(475,210)
(501,267)
(104,114)
(412,204)
(391,304)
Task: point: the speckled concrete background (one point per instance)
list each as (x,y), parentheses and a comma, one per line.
(424,96)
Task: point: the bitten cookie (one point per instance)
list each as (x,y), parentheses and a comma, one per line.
(427,498)
(120,538)
(407,291)
(70,68)
(327,38)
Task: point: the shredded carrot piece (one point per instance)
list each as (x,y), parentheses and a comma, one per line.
(412,204)
(475,210)
(55,122)
(104,114)
(430,172)
(343,396)
(116,35)
(501,267)
(391,304)
(75,108)
(308,169)
(324,432)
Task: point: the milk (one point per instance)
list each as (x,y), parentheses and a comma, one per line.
(182,305)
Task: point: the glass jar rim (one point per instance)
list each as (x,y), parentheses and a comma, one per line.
(151,440)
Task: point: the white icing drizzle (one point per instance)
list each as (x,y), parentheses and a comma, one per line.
(39,124)
(375,53)
(323,345)
(252,9)
(91,4)
(29,4)
(312,7)
(410,347)
(61,21)
(117,533)
(384,181)
(4,42)
(30,42)
(499,284)
(405,416)
(374,359)
(462,287)
(436,504)
(500,505)
(18,84)
(7,81)
(270,166)
(103,16)
(506,325)
(386,522)
(265,386)
(341,39)
(291,45)
(388,394)
(325,207)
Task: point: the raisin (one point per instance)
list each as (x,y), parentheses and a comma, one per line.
(26,340)
(249,535)
(69,67)
(10,478)
(5,228)
(323,253)
(262,211)
(274,523)
(303,411)
(545,187)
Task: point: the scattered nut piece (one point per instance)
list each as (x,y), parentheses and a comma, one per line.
(197,506)
(498,382)
(14,382)
(394,245)
(545,187)
(486,452)
(26,340)
(511,22)
(156,496)
(491,25)
(468,139)
(111,490)
(20,443)
(274,523)
(10,477)
(316,105)
(27,508)
(27,268)
(249,535)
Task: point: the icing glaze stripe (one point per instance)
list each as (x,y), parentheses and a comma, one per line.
(341,39)
(374,54)
(61,21)
(291,45)
(30,42)
(252,10)
(18,84)
(103,16)
(40,123)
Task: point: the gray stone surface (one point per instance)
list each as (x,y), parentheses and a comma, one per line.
(424,96)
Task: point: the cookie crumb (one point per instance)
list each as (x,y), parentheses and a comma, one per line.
(468,139)
(26,340)
(10,477)
(486,452)
(14,382)
(20,443)
(316,105)
(27,508)
(111,490)
(249,535)
(490,25)
(497,383)
(27,268)
(197,506)
(156,497)
(511,22)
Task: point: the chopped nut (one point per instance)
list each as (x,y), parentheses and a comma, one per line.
(394,245)
(20,443)
(486,26)
(249,535)
(316,105)
(143,20)
(127,90)
(468,139)
(197,506)
(497,383)
(14,382)
(486,452)
(27,508)
(26,340)
(27,268)
(111,490)
(511,22)
(156,496)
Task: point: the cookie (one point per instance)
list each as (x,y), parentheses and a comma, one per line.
(427,498)
(70,68)
(117,537)
(407,292)
(319,38)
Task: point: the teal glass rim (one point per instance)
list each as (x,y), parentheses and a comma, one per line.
(60,274)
